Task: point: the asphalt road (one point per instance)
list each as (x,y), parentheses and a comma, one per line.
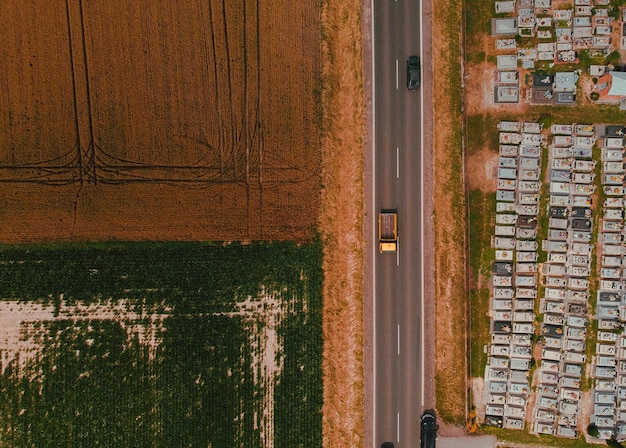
(398,376)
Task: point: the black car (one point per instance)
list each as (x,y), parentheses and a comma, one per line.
(428,429)
(413,73)
(387,445)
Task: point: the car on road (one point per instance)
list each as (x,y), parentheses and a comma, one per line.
(387,445)
(413,73)
(428,429)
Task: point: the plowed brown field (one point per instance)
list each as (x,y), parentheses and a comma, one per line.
(192,120)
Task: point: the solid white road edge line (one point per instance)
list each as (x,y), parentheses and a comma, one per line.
(422,199)
(373,233)
(397,251)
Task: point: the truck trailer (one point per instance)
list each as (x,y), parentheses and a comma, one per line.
(388,230)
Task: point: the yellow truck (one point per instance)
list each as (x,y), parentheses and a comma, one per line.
(388,230)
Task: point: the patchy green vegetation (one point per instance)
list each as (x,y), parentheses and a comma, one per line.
(478,14)
(450,215)
(219,345)
(480,331)
(519,437)
(482,208)
(479,133)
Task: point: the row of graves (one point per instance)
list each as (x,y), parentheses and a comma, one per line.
(609,363)
(559,289)
(560,34)
(514,291)
(566,280)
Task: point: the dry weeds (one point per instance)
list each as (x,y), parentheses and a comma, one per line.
(450,218)
(481,170)
(341,223)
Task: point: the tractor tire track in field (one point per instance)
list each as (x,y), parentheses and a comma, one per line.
(219,93)
(220,121)
(60,169)
(244,115)
(90,168)
(78,59)
(230,91)
(258,128)
(239,139)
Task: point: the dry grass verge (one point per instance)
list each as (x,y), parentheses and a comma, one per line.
(450,213)
(341,222)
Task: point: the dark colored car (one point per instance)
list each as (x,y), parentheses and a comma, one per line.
(387,445)
(413,73)
(428,429)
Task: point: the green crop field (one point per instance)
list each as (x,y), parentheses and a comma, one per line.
(161,345)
